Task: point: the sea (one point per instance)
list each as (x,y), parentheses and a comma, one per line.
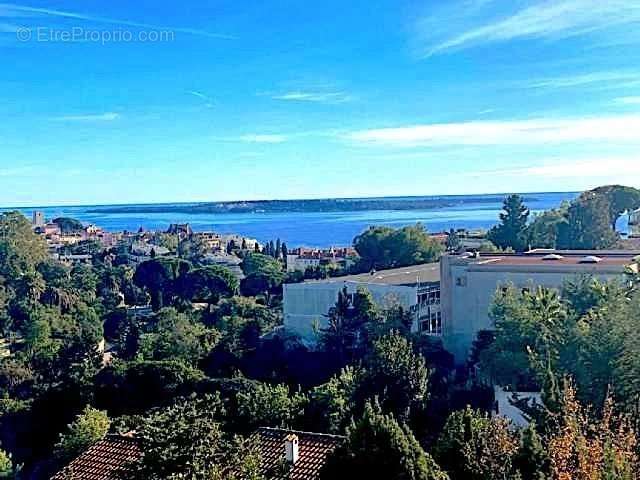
(312,229)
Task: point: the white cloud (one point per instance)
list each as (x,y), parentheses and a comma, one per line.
(604,167)
(8,10)
(588,79)
(535,131)
(319,97)
(263,138)
(480,22)
(97,117)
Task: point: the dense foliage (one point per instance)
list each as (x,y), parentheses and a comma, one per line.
(589,222)
(385,247)
(197,373)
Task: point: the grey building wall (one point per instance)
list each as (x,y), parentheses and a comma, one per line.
(307,304)
(468,290)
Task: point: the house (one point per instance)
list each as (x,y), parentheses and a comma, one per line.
(183,230)
(469,283)
(416,288)
(141,252)
(284,454)
(238,241)
(108,459)
(300,259)
(225,260)
(292,455)
(211,241)
(71,260)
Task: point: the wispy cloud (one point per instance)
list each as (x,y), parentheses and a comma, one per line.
(263,138)
(8,10)
(318,97)
(535,131)
(93,117)
(608,79)
(601,167)
(471,23)
(209,102)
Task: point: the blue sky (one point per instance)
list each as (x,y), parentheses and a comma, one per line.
(152,101)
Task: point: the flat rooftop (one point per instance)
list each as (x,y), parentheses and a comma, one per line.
(405,276)
(593,259)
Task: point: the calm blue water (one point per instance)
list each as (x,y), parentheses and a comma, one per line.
(309,229)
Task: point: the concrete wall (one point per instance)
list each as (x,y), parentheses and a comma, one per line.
(468,292)
(307,304)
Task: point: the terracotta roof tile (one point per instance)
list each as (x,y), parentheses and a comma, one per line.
(103,461)
(313,451)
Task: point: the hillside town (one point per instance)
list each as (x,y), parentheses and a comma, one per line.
(145,341)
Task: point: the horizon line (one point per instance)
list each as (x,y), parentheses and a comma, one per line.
(205,202)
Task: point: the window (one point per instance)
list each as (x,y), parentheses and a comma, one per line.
(432,325)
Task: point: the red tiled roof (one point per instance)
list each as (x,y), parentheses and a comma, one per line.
(103,461)
(313,451)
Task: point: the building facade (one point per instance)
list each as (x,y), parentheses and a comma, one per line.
(38,219)
(469,283)
(634,224)
(416,289)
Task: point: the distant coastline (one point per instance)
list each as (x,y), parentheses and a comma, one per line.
(311,206)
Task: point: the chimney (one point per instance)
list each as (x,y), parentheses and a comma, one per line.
(291,448)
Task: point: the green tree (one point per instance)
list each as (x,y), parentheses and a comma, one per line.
(545,228)
(271,406)
(385,247)
(7,469)
(531,460)
(379,447)
(68,225)
(184,441)
(257,263)
(396,375)
(167,240)
(159,276)
(473,446)
(511,232)
(208,284)
(176,336)
(588,225)
(621,199)
(343,336)
(21,250)
(88,428)
(334,402)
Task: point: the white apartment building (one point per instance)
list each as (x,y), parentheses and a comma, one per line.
(416,288)
(469,283)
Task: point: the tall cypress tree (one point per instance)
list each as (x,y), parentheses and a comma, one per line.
(511,232)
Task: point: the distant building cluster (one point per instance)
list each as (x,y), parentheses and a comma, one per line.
(140,246)
(300,259)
